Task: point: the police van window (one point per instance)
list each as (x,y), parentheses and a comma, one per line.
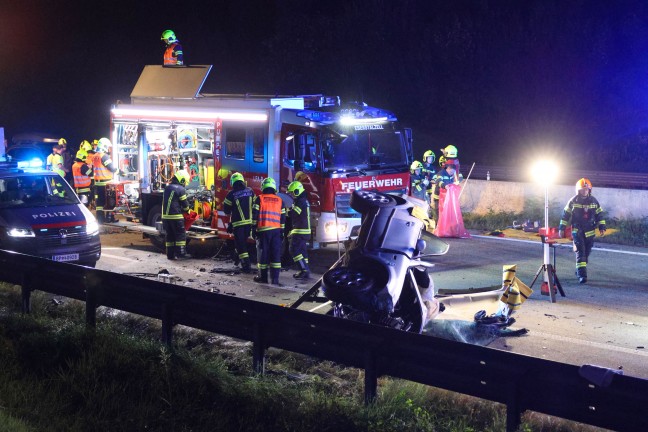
(235,143)
(258,145)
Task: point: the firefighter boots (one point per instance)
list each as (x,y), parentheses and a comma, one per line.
(262,277)
(181,252)
(170,252)
(582,274)
(245,265)
(304,271)
(275,276)
(100,216)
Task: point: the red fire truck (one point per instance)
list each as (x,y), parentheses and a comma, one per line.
(330,146)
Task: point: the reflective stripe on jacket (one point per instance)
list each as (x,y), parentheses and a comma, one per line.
(103,169)
(271,212)
(82,173)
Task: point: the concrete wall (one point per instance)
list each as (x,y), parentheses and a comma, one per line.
(481,196)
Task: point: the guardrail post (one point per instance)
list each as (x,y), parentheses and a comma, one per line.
(26,290)
(371,377)
(91,304)
(167,323)
(513,408)
(258,350)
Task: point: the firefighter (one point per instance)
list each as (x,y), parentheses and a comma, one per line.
(268,219)
(418,182)
(82,176)
(173,55)
(103,170)
(238,204)
(448,175)
(89,160)
(429,172)
(55,160)
(174,206)
(300,233)
(67,160)
(585,214)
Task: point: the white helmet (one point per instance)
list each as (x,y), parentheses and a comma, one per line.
(104,144)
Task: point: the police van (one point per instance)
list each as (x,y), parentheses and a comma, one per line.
(41,215)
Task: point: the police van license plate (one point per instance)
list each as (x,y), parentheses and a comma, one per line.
(68,257)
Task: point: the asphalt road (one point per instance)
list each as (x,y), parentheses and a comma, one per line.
(603,322)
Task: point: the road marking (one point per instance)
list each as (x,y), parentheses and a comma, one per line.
(328,303)
(562,245)
(592,344)
(114,256)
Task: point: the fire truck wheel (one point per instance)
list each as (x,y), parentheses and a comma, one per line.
(364,200)
(155,214)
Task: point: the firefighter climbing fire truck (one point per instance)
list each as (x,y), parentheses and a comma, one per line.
(332,147)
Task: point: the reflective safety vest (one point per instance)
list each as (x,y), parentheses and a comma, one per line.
(270,211)
(173,60)
(82,178)
(101,173)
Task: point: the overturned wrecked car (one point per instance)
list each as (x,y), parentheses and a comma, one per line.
(383,277)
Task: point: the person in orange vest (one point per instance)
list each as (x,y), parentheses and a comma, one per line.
(173,55)
(82,176)
(103,173)
(268,220)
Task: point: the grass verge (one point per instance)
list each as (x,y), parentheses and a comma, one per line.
(58,376)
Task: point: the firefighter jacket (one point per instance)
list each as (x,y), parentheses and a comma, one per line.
(585,214)
(238,203)
(82,176)
(442,179)
(299,215)
(103,168)
(173,55)
(418,186)
(429,172)
(268,212)
(174,201)
(55,163)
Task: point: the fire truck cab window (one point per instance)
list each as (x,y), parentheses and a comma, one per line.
(301,152)
(235,143)
(258,145)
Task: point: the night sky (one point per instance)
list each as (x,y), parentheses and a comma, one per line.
(501,80)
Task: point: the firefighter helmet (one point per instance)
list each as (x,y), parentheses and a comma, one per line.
(428,154)
(103,144)
(81,155)
(168,36)
(269,183)
(85,146)
(415,165)
(62,141)
(236,177)
(296,188)
(183,177)
(450,152)
(584,184)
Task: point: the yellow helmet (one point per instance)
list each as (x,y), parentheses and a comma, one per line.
(81,155)
(428,154)
(183,177)
(62,141)
(85,146)
(236,177)
(168,36)
(450,152)
(269,183)
(296,188)
(415,165)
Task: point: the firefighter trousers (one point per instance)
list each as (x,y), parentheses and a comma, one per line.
(582,247)
(176,236)
(241,234)
(299,247)
(269,249)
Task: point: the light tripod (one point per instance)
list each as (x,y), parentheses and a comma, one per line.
(548,270)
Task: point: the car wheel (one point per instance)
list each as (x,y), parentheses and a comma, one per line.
(364,200)
(345,284)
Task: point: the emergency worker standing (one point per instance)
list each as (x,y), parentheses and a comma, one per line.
(268,220)
(300,233)
(67,160)
(174,205)
(418,182)
(55,160)
(429,171)
(82,175)
(103,169)
(449,152)
(585,214)
(238,204)
(448,175)
(173,55)
(89,160)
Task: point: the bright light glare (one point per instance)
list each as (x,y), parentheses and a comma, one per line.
(329,227)
(92,227)
(198,115)
(351,121)
(20,232)
(544,171)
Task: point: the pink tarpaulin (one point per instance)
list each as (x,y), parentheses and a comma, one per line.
(450,223)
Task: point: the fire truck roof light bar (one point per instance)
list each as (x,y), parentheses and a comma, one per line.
(201,115)
(352,121)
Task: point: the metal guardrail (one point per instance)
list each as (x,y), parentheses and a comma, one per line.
(520,382)
(620,180)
